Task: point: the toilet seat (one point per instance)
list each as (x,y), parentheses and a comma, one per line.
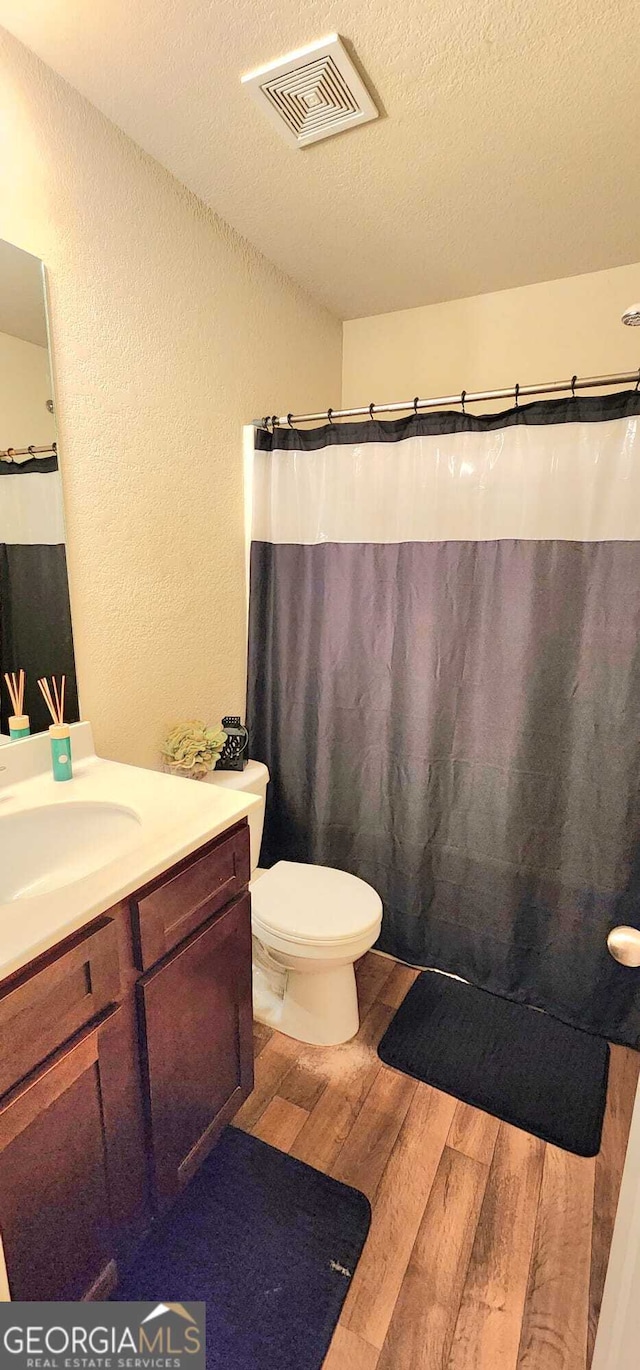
(313,905)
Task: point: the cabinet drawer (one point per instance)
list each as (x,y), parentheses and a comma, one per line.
(64,990)
(175,905)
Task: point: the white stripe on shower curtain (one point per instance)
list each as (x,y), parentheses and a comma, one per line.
(574,481)
(31,508)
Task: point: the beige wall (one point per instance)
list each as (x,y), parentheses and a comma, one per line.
(25,387)
(534,333)
(169,332)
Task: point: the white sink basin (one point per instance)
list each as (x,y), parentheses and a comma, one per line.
(44,849)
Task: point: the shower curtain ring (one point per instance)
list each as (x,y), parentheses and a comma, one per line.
(573,387)
(462,398)
(517,393)
(330,415)
(275,423)
(371,411)
(638,380)
(289,418)
(415,405)
(30,451)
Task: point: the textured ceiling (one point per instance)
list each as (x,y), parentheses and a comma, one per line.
(509,150)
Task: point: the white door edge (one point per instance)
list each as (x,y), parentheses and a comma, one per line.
(617,1344)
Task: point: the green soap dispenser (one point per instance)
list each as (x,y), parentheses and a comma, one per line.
(59,732)
(60,738)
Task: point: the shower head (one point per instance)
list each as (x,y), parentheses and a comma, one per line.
(631,316)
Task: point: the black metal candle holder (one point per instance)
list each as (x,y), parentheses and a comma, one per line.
(235,753)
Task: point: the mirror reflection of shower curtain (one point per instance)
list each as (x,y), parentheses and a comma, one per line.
(444,680)
(35,617)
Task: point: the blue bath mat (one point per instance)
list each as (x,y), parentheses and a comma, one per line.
(268,1243)
(508,1059)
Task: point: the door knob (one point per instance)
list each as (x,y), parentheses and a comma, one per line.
(624,945)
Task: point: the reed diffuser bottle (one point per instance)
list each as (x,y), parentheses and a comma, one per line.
(59,732)
(19,722)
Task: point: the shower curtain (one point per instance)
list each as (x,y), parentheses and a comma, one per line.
(35,617)
(444,681)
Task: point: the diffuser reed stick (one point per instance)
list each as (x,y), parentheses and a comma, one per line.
(15,686)
(59,731)
(18,723)
(54,709)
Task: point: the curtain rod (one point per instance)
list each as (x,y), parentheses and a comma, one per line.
(516,392)
(12,452)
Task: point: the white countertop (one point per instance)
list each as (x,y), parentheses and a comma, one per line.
(176,816)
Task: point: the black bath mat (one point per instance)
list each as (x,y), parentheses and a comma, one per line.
(268,1243)
(510,1060)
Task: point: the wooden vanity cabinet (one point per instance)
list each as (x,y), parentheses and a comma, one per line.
(117,1075)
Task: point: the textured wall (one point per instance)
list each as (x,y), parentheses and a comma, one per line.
(25,387)
(533,333)
(169,333)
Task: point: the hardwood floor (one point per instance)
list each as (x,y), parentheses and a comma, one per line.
(488,1248)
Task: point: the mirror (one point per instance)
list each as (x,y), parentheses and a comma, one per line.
(35,617)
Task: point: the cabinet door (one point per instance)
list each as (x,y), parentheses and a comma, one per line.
(57,1165)
(196,1017)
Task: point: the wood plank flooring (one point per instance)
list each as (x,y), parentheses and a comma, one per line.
(488,1248)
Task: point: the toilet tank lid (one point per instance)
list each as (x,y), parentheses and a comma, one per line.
(253,778)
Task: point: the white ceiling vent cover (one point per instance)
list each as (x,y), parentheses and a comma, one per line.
(312,93)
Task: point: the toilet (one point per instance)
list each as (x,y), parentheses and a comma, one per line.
(310,925)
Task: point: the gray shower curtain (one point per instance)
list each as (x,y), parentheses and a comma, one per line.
(444,680)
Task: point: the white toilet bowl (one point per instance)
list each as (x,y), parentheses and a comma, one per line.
(310,925)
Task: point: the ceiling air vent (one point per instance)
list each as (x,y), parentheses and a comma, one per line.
(312,93)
